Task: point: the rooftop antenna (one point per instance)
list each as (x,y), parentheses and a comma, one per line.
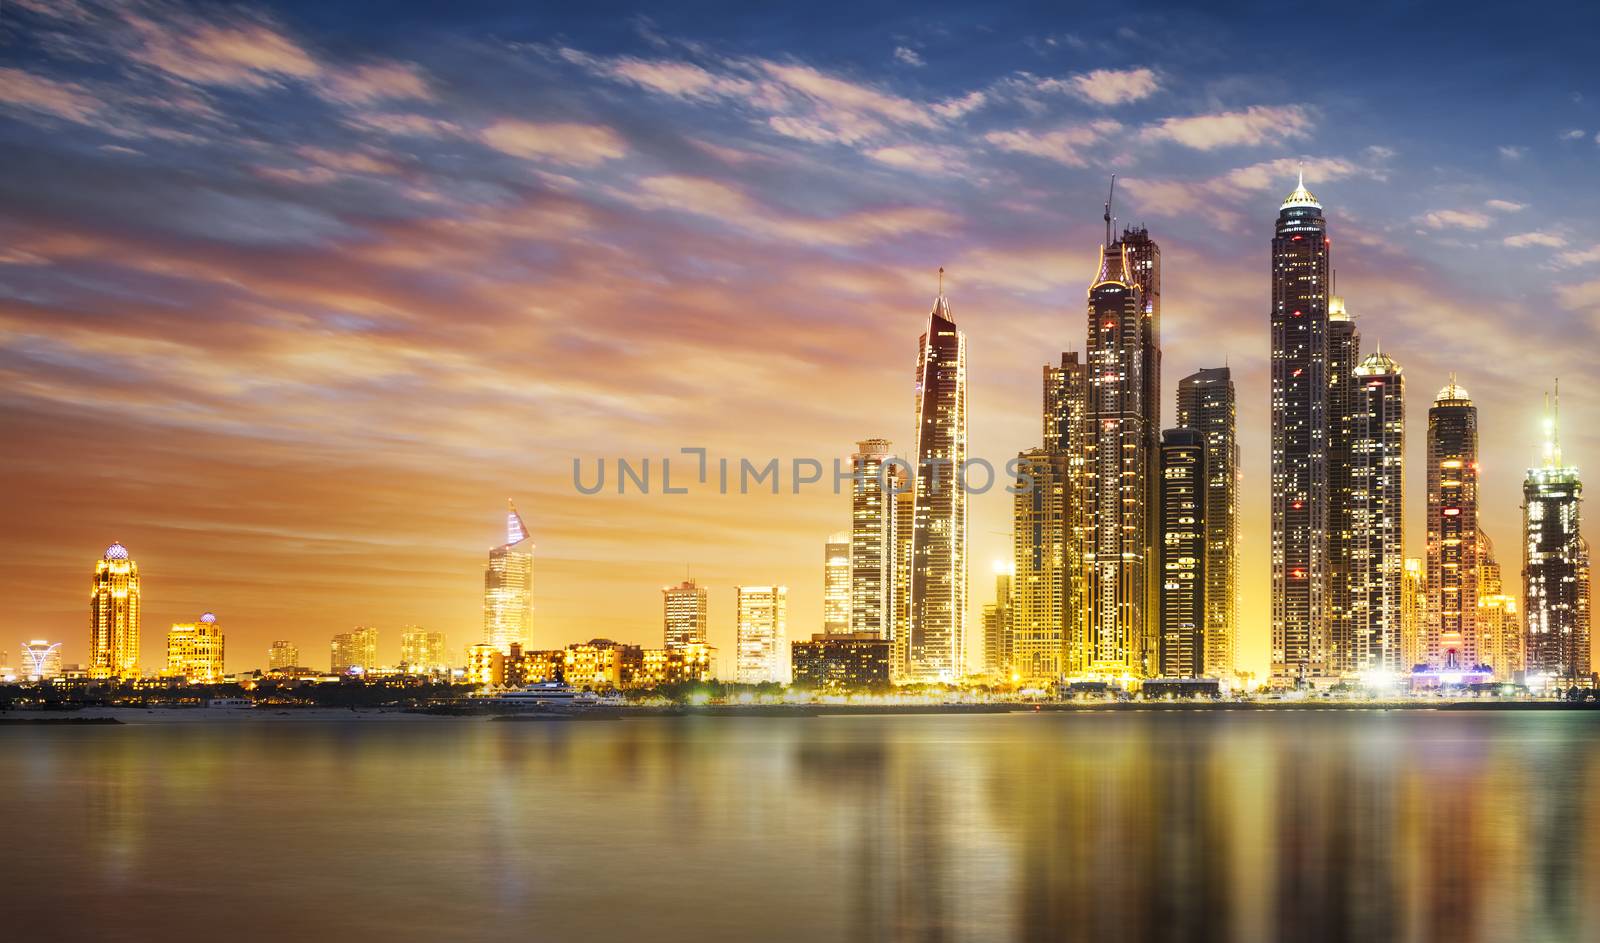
(1111,195)
(941,281)
(1555,425)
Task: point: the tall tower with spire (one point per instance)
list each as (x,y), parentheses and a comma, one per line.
(1555,564)
(937,617)
(1299,492)
(508,587)
(1122,450)
(1451,641)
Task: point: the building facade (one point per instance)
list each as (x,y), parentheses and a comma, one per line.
(1299,409)
(1344,405)
(1498,627)
(354,652)
(997,622)
(1413,614)
(1555,568)
(875,591)
(508,588)
(422,651)
(1206,403)
(1040,547)
(114,616)
(836,584)
(684,610)
(842,663)
(39,660)
(762,630)
(1452,639)
(1375,546)
(283,654)
(1183,553)
(1066,434)
(936,646)
(195,651)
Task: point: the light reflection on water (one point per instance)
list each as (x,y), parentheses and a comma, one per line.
(1250,827)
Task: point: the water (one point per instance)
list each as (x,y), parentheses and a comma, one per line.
(1199,826)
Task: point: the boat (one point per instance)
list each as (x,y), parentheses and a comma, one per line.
(230,703)
(544,695)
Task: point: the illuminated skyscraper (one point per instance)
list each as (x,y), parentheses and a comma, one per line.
(936,649)
(1499,630)
(508,588)
(874,588)
(1182,554)
(684,609)
(1299,493)
(1555,566)
(114,616)
(1122,453)
(1452,640)
(283,654)
(997,619)
(421,651)
(1206,403)
(39,660)
(1413,614)
(1344,399)
(905,515)
(762,633)
(1040,534)
(836,584)
(354,652)
(1067,434)
(1376,543)
(195,651)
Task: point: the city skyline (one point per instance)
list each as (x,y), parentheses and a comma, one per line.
(1452,251)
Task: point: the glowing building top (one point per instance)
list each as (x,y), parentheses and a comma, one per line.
(1301,196)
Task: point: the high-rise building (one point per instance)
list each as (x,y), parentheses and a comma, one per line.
(1413,614)
(1142,256)
(1122,455)
(1344,354)
(114,616)
(1452,531)
(1066,433)
(1376,542)
(1299,492)
(1041,512)
(195,651)
(39,660)
(997,625)
(283,654)
(684,609)
(421,651)
(874,586)
(762,633)
(905,515)
(936,647)
(1555,567)
(1499,631)
(1183,553)
(1206,404)
(836,584)
(354,652)
(508,587)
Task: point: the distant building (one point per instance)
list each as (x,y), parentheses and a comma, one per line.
(486,666)
(1344,403)
(997,625)
(1067,433)
(1041,531)
(355,651)
(39,660)
(195,651)
(1413,614)
(684,609)
(1376,545)
(661,666)
(875,581)
(1452,641)
(508,587)
(114,616)
(849,662)
(1182,556)
(1206,403)
(422,651)
(1499,629)
(761,614)
(836,584)
(282,655)
(1555,567)
(601,664)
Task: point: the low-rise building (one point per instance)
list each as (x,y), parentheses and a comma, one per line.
(853,661)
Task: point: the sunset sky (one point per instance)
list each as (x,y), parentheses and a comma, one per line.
(292,298)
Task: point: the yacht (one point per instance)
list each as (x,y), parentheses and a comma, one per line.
(230,703)
(544,695)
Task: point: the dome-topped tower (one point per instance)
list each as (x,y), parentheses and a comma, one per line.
(1301,196)
(1452,393)
(116,551)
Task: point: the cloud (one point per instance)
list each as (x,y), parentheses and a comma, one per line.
(1574,134)
(1576,257)
(243,53)
(1256,125)
(579,145)
(1063,145)
(1218,195)
(390,81)
(957,107)
(924,159)
(1455,219)
(67,100)
(1580,296)
(1548,240)
(1512,152)
(1114,86)
(907,56)
(1505,206)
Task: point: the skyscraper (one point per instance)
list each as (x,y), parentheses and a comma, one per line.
(762,632)
(1555,566)
(1376,542)
(1413,614)
(1039,528)
(936,648)
(1183,552)
(353,652)
(836,584)
(1299,493)
(997,619)
(1499,630)
(905,515)
(114,616)
(1344,398)
(422,651)
(508,587)
(683,614)
(283,654)
(874,588)
(1452,640)
(195,651)
(1206,404)
(1066,433)
(1122,637)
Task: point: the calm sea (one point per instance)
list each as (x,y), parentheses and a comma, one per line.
(1300,826)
